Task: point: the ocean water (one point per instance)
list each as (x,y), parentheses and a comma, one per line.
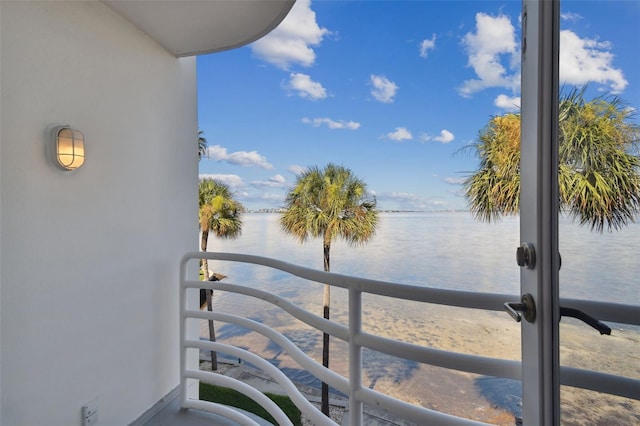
(454,251)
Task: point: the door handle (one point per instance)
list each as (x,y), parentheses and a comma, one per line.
(582,316)
(527,306)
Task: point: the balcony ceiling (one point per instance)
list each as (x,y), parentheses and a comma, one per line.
(192,27)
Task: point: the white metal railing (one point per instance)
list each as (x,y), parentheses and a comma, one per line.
(357,339)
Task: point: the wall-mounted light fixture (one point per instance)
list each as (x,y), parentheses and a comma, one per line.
(68,148)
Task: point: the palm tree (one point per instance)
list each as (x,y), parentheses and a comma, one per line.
(329,203)
(221,214)
(599,166)
(202,145)
(494,189)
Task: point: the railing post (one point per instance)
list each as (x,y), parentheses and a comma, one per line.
(183,332)
(355,356)
(188,359)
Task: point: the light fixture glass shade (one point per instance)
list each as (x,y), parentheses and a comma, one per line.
(69,148)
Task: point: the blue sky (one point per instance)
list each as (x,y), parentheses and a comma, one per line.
(391,90)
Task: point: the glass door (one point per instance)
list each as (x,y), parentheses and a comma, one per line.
(611,244)
(599,45)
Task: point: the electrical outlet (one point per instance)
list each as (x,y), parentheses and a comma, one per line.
(90,413)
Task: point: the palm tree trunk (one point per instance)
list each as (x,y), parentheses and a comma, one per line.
(326,301)
(204,264)
(209,295)
(212,332)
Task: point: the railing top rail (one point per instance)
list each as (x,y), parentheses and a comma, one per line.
(606,311)
(464,299)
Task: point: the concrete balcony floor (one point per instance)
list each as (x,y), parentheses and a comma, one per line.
(169,412)
(172,415)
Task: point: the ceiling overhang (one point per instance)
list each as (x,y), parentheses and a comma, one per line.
(193,27)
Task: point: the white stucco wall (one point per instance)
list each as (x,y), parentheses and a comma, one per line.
(89,259)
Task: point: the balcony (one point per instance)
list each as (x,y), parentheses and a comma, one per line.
(364,402)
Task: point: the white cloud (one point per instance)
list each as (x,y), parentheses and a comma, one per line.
(332,124)
(494,56)
(570,16)
(306,87)
(239,158)
(276,181)
(583,60)
(292,41)
(297,169)
(383,89)
(400,134)
(445,136)
(454,181)
(404,196)
(507,103)
(234,181)
(427,45)
(495,38)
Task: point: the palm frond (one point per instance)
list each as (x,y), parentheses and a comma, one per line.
(599,166)
(202,145)
(219,212)
(329,203)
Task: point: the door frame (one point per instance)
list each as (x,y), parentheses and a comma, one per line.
(539,210)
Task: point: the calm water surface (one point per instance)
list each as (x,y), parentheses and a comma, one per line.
(454,251)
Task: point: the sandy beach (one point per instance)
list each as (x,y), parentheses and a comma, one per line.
(495,334)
